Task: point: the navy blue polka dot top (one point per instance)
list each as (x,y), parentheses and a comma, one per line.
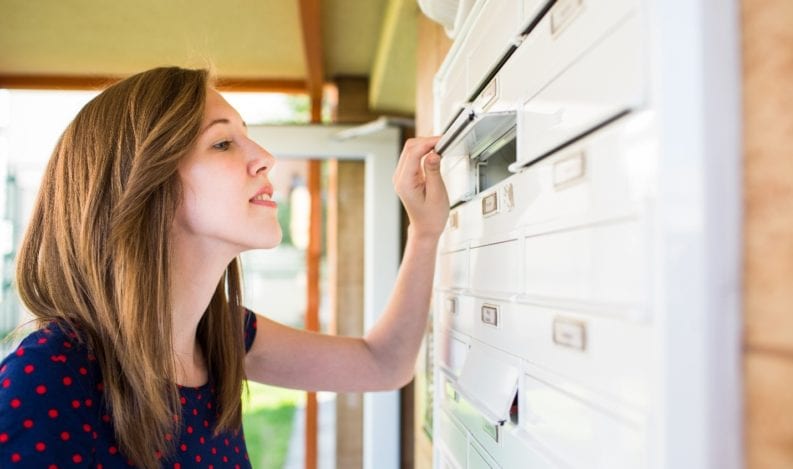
(52,412)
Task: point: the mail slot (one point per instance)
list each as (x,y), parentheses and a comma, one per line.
(606,82)
(562,37)
(604,176)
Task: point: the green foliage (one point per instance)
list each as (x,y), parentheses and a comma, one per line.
(267,417)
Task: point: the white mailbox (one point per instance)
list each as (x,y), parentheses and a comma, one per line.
(587,278)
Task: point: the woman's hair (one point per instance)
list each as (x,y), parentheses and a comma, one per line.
(97,253)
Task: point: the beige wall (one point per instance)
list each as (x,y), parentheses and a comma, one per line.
(767,55)
(767,49)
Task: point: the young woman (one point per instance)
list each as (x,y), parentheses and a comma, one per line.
(129,266)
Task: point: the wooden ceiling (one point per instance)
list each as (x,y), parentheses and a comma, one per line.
(278,45)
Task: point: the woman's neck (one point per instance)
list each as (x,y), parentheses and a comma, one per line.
(196,269)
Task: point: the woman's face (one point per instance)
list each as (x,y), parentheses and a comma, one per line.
(227,197)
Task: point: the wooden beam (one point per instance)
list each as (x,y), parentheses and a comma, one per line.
(312,44)
(94,82)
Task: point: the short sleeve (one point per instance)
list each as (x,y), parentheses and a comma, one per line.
(250,329)
(48,403)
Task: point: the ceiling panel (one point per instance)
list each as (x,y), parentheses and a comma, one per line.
(242,38)
(350,35)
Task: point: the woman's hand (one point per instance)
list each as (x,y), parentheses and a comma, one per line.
(417,181)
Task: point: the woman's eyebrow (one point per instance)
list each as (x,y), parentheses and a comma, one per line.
(221,121)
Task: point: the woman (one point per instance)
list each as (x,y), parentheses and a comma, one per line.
(129,265)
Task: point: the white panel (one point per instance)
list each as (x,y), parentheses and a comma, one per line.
(453,269)
(604,264)
(452,352)
(476,458)
(495,267)
(579,434)
(604,354)
(457,311)
(453,440)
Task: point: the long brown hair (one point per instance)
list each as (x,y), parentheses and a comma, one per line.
(96,255)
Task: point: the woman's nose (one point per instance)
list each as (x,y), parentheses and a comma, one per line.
(262,160)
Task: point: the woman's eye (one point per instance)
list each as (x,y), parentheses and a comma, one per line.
(222,146)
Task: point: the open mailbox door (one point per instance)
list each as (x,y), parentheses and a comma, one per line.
(468,148)
(489,383)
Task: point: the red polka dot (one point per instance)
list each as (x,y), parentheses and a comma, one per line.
(209,405)
(206,423)
(58,358)
(76,404)
(15,403)
(16,457)
(67,344)
(41,389)
(214,451)
(53,413)
(100,387)
(183,447)
(3,369)
(197,458)
(40,446)
(6,383)
(86,427)
(195,411)
(67,380)
(237,449)
(77,459)
(42,340)
(29,369)
(168,437)
(183,400)
(3,437)
(52,466)
(83,371)
(158,454)
(106,418)
(27,423)
(20,351)
(202,440)
(89,402)
(225,459)
(177,466)
(112,450)
(189,429)
(65,436)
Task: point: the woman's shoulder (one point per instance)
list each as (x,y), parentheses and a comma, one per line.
(49,360)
